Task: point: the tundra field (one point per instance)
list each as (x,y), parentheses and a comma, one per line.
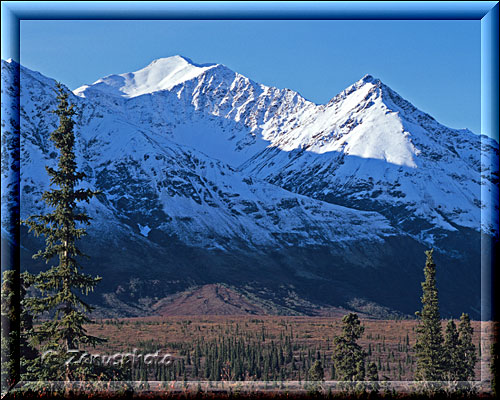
(264,348)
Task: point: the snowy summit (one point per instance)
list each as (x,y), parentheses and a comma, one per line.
(161,74)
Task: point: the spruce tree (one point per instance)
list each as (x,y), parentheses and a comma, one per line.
(348,356)
(316,372)
(466,348)
(59,285)
(453,361)
(372,377)
(429,345)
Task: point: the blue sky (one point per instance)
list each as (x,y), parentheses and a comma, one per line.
(433,64)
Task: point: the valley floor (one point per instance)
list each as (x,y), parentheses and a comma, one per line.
(259,348)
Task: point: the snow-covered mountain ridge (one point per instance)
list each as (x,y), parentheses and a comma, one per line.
(366,140)
(216,177)
(161,74)
(147,178)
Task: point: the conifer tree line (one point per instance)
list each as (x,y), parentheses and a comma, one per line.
(235,358)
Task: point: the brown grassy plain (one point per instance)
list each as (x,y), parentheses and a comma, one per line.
(389,343)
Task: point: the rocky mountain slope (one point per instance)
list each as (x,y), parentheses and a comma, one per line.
(208,177)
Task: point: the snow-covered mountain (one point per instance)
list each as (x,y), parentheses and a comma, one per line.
(218,178)
(367,143)
(369,148)
(161,74)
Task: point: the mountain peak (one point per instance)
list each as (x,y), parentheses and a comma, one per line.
(160,74)
(177,60)
(368,79)
(367,82)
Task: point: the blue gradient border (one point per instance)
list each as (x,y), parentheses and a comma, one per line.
(490,127)
(12,12)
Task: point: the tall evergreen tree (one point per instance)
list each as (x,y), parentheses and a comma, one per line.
(348,356)
(467,348)
(60,284)
(454,362)
(429,345)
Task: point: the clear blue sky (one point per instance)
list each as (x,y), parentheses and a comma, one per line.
(434,64)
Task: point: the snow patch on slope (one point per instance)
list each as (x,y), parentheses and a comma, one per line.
(144,230)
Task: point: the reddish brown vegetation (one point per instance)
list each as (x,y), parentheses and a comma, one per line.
(390,342)
(208,300)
